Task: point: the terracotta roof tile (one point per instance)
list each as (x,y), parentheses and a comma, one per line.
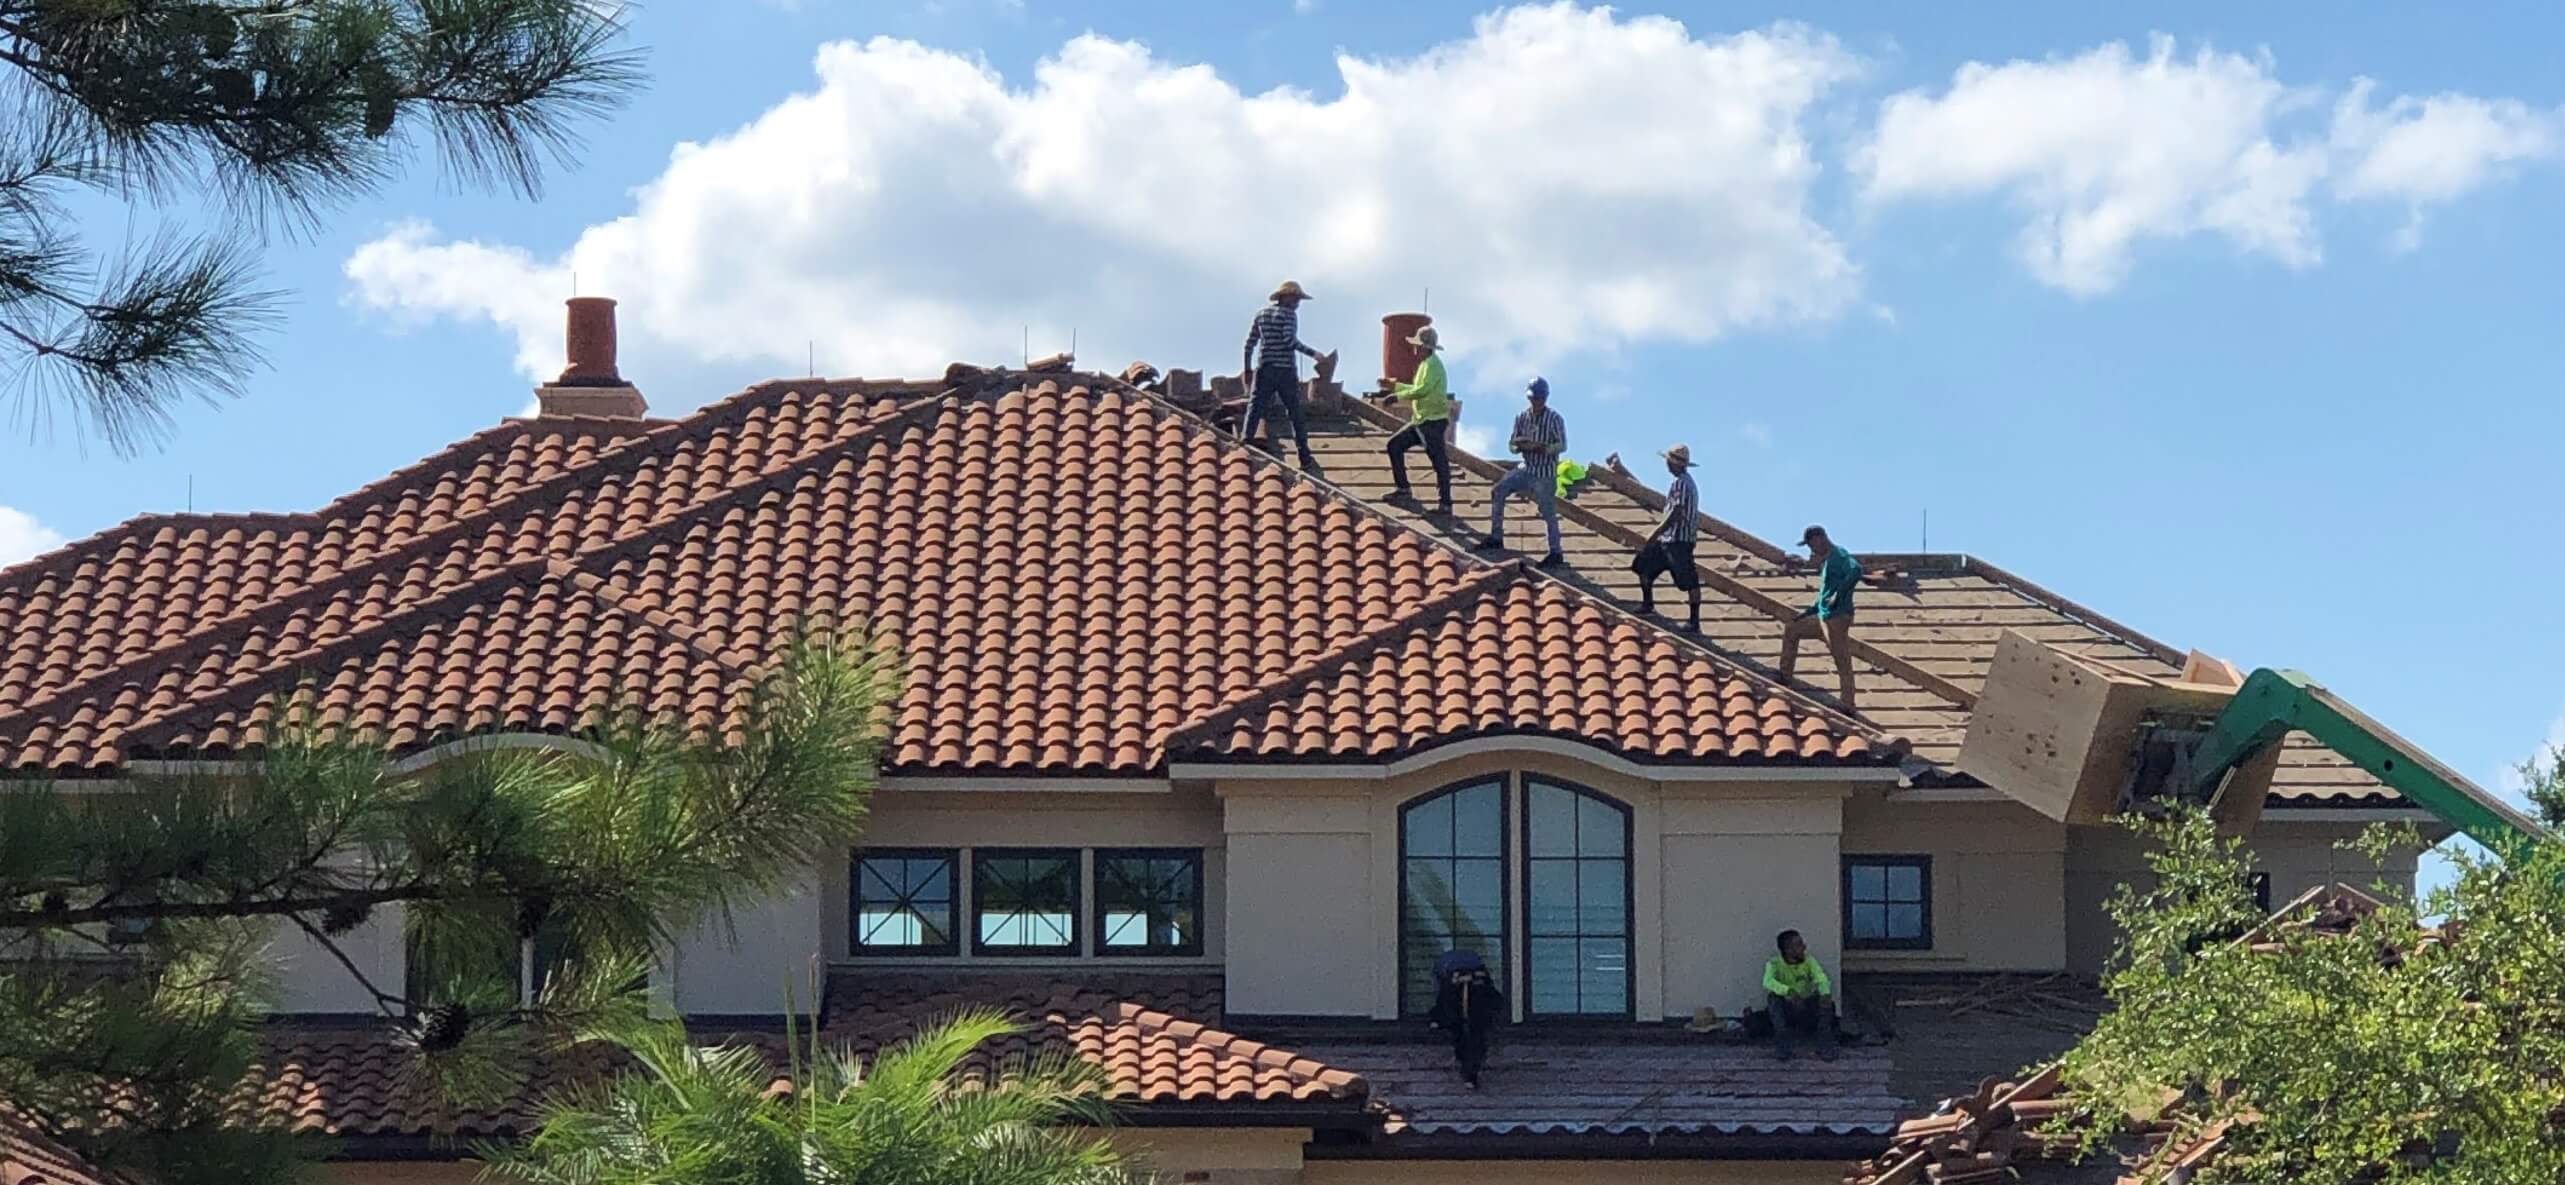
(1070,577)
(353,1081)
(29,1157)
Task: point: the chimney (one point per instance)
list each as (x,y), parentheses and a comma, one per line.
(590,385)
(1397,358)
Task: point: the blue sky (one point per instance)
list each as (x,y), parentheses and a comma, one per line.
(2211,334)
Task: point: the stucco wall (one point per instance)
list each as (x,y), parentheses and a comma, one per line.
(310,979)
(2298,855)
(1068,818)
(748,962)
(1998,883)
(1715,869)
(1738,869)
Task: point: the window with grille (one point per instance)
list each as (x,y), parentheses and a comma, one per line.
(904,901)
(1888,902)
(1148,901)
(1576,893)
(1024,902)
(1451,885)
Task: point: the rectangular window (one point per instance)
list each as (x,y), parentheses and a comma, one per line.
(904,901)
(1888,902)
(1024,901)
(1576,903)
(1148,901)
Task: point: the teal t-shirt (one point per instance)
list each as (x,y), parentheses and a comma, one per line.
(1835,589)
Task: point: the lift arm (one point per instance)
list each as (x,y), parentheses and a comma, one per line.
(2272,703)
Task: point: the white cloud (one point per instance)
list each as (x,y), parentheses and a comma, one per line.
(2510,781)
(2105,151)
(1304,7)
(1475,440)
(1756,434)
(23,538)
(1563,179)
(2425,152)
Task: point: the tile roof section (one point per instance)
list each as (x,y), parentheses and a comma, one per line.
(1515,656)
(1537,1086)
(1070,576)
(29,1157)
(357,1081)
(1939,615)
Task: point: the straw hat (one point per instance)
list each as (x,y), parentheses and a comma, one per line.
(1290,289)
(1679,454)
(1426,339)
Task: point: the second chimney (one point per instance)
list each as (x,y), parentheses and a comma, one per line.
(1398,359)
(590,385)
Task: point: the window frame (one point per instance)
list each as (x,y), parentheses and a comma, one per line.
(952,944)
(1923,864)
(1507,782)
(1075,947)
(1153,949)
(1523,783)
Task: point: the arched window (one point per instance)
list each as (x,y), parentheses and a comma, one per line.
(1451,884)
(1576,902)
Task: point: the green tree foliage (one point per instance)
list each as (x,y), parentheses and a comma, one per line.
(698,1115)
(134,917)
(262,113)
(2398,1052)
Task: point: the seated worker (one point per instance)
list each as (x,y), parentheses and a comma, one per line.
(1800,997)
(1468,1005)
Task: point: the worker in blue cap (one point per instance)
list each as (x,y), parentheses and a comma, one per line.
(1539,437)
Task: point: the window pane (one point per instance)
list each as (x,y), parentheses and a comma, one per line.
(1598,828)
(1601,909)
(1553,973)
(1553,897)
(1906,922)
(1428,907)
(1869,882)
(1429,827)
(1905,882)
(1603,975)
(904,901)
(1478,821)
(1479,889)
(1553,814)
(1869,922)
(1150,903)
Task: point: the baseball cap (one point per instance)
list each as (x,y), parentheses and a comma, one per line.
(1540,387)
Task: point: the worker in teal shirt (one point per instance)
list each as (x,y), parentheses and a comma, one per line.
(1799,996)
(1832,612)
(1429,410)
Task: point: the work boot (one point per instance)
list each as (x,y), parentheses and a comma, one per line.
(1402,495)
(1491,543)
(1551,560)
(1444,506)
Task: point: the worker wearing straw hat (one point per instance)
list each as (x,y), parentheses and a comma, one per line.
(1668,550)
(1272,364)
(1429,412)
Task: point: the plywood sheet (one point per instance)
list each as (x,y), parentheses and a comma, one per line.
(2056,731)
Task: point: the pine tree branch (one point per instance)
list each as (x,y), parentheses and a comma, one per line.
(383,1001)
(90,915)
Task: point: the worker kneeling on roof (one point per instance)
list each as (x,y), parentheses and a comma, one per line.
(1468,1005)
(1800,996)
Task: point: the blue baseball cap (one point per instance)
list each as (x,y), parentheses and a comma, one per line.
(1540,387)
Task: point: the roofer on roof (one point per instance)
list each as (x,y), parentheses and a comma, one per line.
(1539,437)
(1429,412)
(1467,1004)
(1273,364)
(1831,613)
(1800,997)
(1669,549)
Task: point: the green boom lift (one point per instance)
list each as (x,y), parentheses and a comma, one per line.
(2271,704)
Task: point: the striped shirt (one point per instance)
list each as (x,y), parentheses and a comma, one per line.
(1682,511)
(1273,340)
(1542,427)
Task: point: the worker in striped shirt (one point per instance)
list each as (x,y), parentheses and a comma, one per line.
(1539,437)
(1668,550)
(1272,364)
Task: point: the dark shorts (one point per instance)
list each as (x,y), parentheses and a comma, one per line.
(1667,559)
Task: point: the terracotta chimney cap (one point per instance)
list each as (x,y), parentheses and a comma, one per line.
(590,342)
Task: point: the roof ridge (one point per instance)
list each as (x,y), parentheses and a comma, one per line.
(612,594)
(1291,682)
(427,542)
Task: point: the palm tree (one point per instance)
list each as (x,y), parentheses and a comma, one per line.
(692,1114)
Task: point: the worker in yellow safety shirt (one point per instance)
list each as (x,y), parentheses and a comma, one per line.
(1429,410)
(1800,997)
